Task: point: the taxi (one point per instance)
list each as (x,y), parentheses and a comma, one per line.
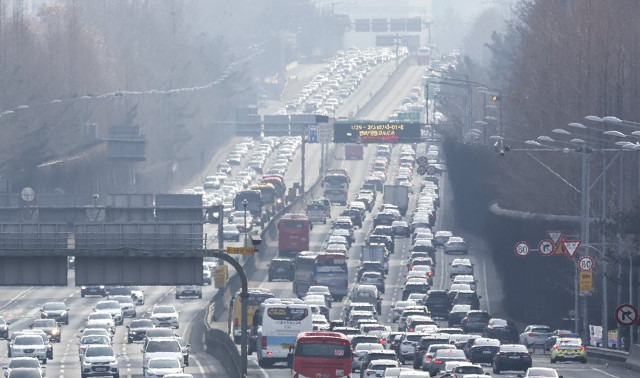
(568,349)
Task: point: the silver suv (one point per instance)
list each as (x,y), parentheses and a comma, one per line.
(188,291)
(29,346)
(161,347)
(99,360)
(111,307)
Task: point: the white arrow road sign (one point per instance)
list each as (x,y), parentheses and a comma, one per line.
(626,314)
(572,246)
(545,247)
(555,236)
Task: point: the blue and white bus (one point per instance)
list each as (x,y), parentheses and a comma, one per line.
(321,268)
(281,324)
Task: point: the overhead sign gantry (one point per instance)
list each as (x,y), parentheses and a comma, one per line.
(376,132)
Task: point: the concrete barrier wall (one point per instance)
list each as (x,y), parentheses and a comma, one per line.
(220,346)
(633,359)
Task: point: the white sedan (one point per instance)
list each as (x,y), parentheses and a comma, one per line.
(161,366)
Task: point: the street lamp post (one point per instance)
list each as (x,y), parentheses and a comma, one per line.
(244,206)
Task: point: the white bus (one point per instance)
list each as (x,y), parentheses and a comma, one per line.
(281,324)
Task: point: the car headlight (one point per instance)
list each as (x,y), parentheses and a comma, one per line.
(55,332)
(86,363)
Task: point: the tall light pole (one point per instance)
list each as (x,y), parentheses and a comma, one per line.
(244,206)
(585,151)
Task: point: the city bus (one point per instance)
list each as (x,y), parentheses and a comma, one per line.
(280,325)
(423,56)
(268,193)
(254,202)
(325,269)
(293,233)
(353,151)
(303,272)
(322,354)
(256,297)
(336,187)
(281,189)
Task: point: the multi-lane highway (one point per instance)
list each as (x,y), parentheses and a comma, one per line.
(21,305)
(489,285)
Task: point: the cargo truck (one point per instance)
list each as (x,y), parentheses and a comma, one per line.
(397,195)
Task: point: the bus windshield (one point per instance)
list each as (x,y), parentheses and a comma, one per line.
(336,180)
(323,350)
(327,265)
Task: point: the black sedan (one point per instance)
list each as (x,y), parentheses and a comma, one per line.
(57,311)
(137,329)
(511,357)
(501,329)
(483,350)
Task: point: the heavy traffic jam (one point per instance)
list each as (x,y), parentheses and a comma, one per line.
(433,322)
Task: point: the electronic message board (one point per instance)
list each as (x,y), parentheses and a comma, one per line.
(376,132)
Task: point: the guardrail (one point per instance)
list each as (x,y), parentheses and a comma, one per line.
(607,355)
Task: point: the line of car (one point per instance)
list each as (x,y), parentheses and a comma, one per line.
(164,353)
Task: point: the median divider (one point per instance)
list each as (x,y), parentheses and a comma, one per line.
(633,358)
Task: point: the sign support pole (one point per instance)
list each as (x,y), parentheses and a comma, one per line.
(220,232)
(585,240)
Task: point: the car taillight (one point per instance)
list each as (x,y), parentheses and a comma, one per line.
(502,354)
(555,347)
(264,342)
(427,358)
(410,329)
(437,361)
(582,347)
(236,322)
(430,274)
(532,335)
(410,267)
(371,373)
(383,341)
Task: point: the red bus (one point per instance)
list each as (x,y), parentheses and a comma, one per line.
(293,233)
(322,354)
(423,56)
(353,151)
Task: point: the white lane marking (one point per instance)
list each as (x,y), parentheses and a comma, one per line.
(486,285)
(262,371)
(16,297)
(605,373)
(200,367)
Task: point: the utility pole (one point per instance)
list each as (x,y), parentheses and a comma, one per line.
(304,142)
(585,245)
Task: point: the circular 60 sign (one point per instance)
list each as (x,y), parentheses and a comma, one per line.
(585,263)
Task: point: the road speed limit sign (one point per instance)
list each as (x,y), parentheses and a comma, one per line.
(585,263)
(522,249)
